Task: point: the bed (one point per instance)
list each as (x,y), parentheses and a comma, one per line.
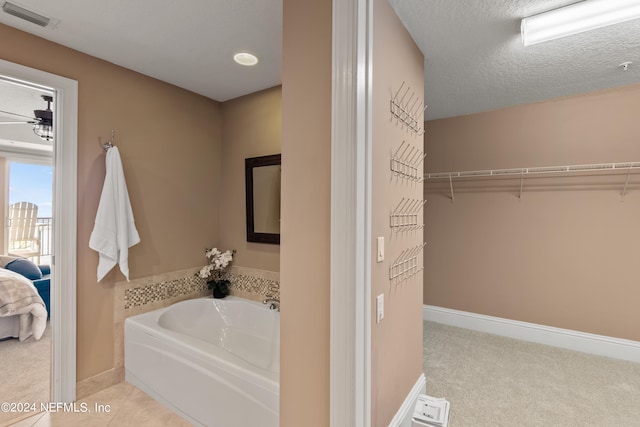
(22,310)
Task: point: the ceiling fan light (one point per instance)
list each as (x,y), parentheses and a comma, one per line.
(44,131)
(44,128)
(577,18)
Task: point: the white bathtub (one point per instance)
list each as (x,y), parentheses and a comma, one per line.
(213,362)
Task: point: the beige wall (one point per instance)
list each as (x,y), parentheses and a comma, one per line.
(306,173)
(566,254)
(170,143)
(396,342)
(306,107)
(252,127)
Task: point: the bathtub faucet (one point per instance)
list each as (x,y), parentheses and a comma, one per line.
(272,303)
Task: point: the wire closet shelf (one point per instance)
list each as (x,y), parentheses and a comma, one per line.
(534,170)
(627,167)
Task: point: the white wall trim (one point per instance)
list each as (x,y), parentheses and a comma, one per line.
(27,156)
(405,413)
(350,311)
(63,293)
(600,345)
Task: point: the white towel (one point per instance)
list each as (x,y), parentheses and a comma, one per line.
(114,231)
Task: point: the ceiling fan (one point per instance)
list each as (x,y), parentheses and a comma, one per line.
(42,122)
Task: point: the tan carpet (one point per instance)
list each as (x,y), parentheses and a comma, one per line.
(495,381)
(25,372)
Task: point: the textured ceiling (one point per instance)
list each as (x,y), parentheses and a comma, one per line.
(474,59)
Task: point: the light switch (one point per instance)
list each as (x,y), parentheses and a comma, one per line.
(380,249)
(379,308)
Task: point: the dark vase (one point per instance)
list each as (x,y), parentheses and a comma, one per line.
(218,293)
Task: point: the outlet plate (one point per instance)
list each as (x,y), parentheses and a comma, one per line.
(379,308)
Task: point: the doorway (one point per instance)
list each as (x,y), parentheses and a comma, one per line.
(63,229)
(26,168)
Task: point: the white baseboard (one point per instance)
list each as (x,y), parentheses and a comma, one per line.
(405,413)
(565,338)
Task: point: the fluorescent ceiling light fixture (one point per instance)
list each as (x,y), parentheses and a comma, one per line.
(244,58)
(27,15)
(577,18)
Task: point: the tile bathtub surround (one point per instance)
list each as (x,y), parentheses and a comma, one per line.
(160,290)
(150,293)
(243,282)
(261,283)
(144,295)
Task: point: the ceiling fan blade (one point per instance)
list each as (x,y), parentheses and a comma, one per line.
(15,114)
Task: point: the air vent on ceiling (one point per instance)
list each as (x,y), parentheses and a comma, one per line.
(27,15)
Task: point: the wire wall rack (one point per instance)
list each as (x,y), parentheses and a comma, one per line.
(405,163)
(405,216)
(627,167)
(406,265)
(407,112)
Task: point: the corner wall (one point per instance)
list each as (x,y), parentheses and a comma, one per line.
(252,127)
(306,186)
(170,142)
(565,255)
(396,342)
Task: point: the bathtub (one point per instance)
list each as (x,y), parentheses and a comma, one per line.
(213,362)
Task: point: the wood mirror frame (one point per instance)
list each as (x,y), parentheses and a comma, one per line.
(249,165)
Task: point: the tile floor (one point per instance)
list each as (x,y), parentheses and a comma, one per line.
(127,406)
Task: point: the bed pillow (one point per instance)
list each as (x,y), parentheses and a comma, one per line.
(6,259)
(26,268)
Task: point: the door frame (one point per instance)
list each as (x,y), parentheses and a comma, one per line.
(351,183)
(63,271)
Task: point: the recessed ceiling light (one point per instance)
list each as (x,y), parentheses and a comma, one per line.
(244,58)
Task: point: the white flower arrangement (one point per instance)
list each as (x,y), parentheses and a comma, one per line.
(213,272)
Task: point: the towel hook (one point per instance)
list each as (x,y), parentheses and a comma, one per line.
(110,143)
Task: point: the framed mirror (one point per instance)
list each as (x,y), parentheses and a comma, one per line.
(262,178)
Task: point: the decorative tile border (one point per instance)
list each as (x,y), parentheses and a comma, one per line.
(263,286)
(243,279)
(143,295)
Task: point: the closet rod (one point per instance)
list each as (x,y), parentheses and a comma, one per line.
(628,166)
